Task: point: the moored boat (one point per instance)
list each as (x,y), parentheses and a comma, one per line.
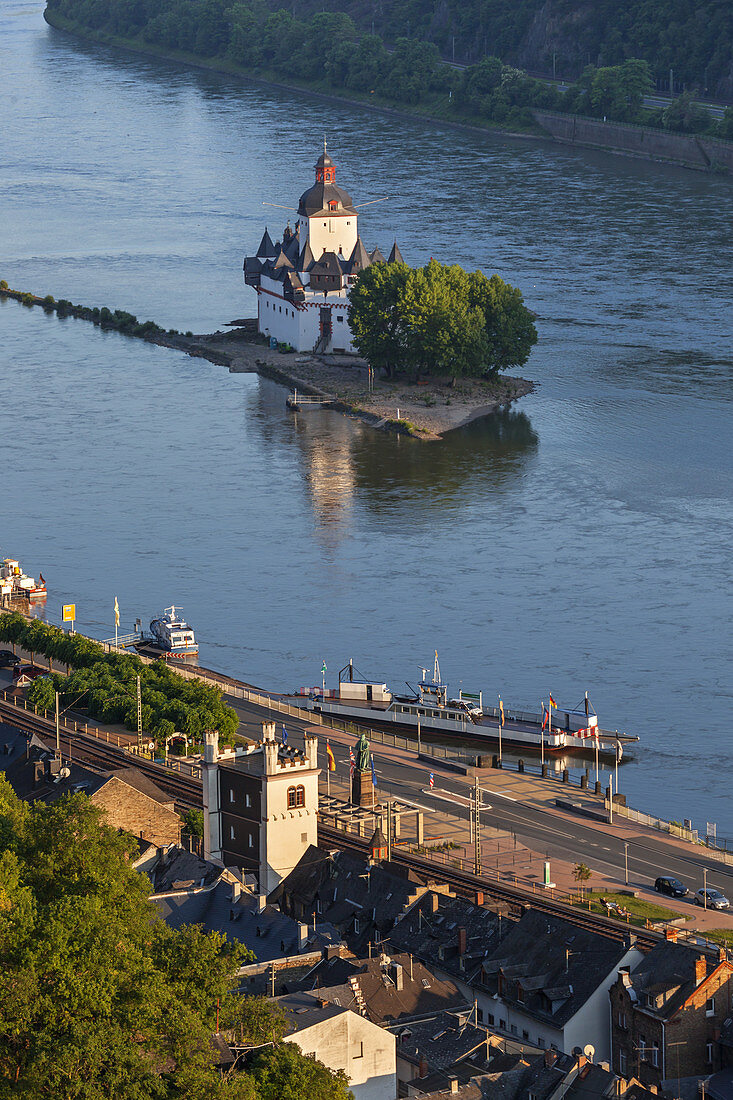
(430,710)
(172,633)
(14,582)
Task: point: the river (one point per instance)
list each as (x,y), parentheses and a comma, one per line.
(580,541)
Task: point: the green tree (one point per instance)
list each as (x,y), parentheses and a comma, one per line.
(440,320)
(581,874)
(374,315)
(282,1073)
(258,1020)
(100,998)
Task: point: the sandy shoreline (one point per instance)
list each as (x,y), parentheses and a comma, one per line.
(424,411)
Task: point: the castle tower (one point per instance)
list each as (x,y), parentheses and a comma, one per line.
(326,215)
(260,805)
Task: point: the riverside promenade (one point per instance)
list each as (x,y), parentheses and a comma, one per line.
(521,822)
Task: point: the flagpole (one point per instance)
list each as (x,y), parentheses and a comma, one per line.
(542,735)
(501,723)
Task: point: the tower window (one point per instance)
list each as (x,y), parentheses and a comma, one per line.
(296,797)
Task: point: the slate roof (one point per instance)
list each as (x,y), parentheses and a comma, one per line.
(378,991)
(667,972)
(316,199)
(363,902)
(553,963)
(376,256)
(442,1041)
(433,936)
(177,866)
(359,258)
(268,933)
(267,248)
(144,784)
(395,256)
(304,1010)
(29,755)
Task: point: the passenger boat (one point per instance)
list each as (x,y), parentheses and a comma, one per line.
(14,582)
(173,634)
(430,710)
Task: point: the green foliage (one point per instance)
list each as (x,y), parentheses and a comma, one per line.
(99,997)
(105,684)
(258,1020)
(193,822)
(282,1073)
(685,116)
(439,320)
(3,284)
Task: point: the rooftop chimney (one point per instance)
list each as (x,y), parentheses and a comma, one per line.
(262,902)
(397,975)
(701,969)
(722,954)
(302,936)
(236,890)
(453,1081)
(434,903)
(462,941)
(670,934)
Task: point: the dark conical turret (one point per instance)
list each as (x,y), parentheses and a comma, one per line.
(359,258)
(267,248)
(395,256)
(377,257)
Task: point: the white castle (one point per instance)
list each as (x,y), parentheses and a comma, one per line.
(303,281)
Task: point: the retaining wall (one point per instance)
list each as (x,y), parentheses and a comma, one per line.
(689,150)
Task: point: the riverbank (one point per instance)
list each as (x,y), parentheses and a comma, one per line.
(425,410)
(642,142)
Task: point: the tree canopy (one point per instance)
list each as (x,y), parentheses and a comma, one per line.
(100,998)
(105,684)
(609,44)
(439,320)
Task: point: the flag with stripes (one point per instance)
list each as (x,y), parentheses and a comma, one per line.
(352,761)
(331,758)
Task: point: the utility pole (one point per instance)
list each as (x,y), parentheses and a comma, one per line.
(139,717)
(477,831)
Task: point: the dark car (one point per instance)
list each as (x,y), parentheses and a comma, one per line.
(671,886)
(8,659)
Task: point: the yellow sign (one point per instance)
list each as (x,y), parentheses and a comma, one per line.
(68,612)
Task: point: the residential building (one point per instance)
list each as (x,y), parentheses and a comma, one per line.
(364,900)
(343,1039)
(130,799)
(668,1012)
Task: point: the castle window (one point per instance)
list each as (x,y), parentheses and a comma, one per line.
(300,796)
(709,1050)
(291,797)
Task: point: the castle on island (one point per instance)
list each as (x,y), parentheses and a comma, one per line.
(303,281)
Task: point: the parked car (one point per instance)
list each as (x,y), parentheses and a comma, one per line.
(672,886)
(8,659)
(715,900)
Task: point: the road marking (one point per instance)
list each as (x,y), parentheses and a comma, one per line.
(448,796)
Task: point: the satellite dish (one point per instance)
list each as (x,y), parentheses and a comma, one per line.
(589,1051)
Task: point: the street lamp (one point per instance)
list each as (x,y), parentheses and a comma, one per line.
(704,887)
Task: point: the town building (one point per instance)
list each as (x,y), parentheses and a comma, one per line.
(260,805)
(541,981)
(364,900)
(668,1013)
(343,1039)
(303,280)
(130,799)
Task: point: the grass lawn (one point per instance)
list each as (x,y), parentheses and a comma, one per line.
(639,910)
(722,936)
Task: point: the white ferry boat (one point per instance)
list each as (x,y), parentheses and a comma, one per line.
(555,731)
(14,582)
(173,634)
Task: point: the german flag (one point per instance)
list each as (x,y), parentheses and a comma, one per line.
(331,758)
(553,703)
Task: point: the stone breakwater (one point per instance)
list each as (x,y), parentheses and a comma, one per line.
(424,410)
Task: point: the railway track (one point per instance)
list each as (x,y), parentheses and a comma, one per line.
(468,884)
(187,793)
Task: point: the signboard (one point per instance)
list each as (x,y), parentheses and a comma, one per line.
(68,612)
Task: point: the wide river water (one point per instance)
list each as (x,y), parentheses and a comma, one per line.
(582,540)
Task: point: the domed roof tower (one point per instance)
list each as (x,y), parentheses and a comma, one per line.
(327,215)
